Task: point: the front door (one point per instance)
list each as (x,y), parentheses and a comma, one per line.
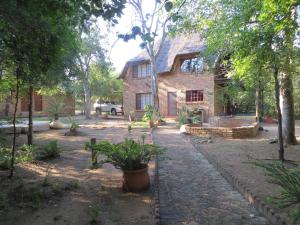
(172,104)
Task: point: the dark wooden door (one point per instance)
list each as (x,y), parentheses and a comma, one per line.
(38,102)
(172,104)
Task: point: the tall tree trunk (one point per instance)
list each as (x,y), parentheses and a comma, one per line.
(6,110)
(12,162)
(87,96)
(279,116)
(30,124)
(258,103)
(154,90)
(287,109)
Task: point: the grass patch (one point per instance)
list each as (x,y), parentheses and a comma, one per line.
(139,124)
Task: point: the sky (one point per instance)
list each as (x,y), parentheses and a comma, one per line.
(122,51)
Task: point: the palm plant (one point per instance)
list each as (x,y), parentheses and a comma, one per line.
(289,182)
(55,107)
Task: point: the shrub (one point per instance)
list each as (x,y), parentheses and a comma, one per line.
(49,151)
(149,113)
(128,155)
(182,116)
(26,153)
(5,157)
(289,182)
(4,201)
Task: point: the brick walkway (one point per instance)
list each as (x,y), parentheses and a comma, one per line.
(192,192)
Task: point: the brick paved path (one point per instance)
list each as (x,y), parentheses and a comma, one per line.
(192,192)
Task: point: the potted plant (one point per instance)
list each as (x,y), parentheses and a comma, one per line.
(54,108)
(132,157)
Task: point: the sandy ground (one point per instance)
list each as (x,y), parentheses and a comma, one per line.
(234,155)
(99,194)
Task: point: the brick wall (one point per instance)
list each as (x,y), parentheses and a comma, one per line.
(227,132)
(69,102)
(174,81)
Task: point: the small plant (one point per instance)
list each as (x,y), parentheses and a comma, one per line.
(129,128)
(149,111)
(72,185)
(182,116)
(46,182)
(289,182)
(93,211)
(196,119)
(57,188)
(74,124)
(128,155)
(49,151)
(26,153)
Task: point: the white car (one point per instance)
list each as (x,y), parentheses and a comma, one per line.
(109,107)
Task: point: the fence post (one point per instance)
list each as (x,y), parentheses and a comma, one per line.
(94,153)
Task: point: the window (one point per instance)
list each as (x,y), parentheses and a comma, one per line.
(142,100)
(194,96)
(142,70)
(192,65)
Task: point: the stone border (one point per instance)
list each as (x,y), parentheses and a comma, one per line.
(260,205)
(227,132)
(156,187)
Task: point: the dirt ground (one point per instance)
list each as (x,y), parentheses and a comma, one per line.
(234,155)
(98,198)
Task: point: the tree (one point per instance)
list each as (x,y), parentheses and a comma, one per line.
(90,52)
(152,27)
(30,38)
(258,34)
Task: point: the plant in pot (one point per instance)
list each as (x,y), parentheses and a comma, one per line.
(132,157)
(54,108)
(149,115)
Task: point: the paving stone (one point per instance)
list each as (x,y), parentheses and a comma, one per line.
(193,192)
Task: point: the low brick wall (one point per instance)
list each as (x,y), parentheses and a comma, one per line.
(227,132)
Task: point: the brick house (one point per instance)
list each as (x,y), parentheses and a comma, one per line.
(40,105)
(184,80)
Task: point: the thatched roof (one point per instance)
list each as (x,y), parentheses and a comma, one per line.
(171,48)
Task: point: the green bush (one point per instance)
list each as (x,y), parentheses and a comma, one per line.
(182,116)
(289,182)
(49,151)
(128,155)
(5,157)
(4,201)
(26,153)
(149,113)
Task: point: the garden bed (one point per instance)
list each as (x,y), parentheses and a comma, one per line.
(98,196)
(227,132)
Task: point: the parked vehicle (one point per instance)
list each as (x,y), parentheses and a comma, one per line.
(109,107)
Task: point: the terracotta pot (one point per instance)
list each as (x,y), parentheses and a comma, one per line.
(268,119)
(136,180)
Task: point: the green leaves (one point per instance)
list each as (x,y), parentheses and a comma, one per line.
(127,155)
(168,6)
(136,30)
(289,181)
